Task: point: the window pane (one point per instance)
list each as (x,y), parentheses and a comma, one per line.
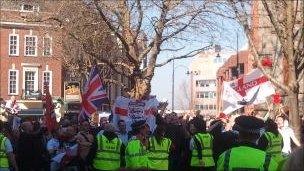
(29,81)
(13,45)
(12,82)
(47,46)
(30,43)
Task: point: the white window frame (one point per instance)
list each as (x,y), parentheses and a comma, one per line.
(35,8)
(17,82)
(36,48)
(36,81)
(51,49)
(9,44)
(50,83)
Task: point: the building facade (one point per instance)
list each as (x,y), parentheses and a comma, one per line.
(203,80)
(29,56)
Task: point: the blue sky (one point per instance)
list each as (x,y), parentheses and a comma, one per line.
(162,81)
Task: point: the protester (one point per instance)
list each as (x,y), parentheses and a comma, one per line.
(230,137)
(122,132)
(7,156)
(108,150)
(159,148)
(136,150)
(247,156)
(103,121)
(287,134)
(67,143)
(201,147)
(12,108)
(31,151)
(176,133)
(84,140)
(53,148)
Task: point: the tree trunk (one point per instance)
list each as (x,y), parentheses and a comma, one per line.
(140,88)
(291,72)
(294,116)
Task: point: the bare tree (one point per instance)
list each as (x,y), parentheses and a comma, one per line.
(285,21)
(143,29)
(146,28)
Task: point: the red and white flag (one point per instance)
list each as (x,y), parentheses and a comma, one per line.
(252,88)
(131,110)
(50,116)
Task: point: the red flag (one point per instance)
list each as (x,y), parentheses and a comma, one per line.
(49,114)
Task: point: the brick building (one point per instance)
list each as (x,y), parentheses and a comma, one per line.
(28,54)
(228,72)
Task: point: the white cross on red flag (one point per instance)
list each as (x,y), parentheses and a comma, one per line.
(49,113)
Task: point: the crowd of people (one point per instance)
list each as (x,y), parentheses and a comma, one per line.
(238,143)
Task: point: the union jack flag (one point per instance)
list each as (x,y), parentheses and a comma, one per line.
(93,95)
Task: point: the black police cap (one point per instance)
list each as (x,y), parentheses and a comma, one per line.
(249,124)
(138,124)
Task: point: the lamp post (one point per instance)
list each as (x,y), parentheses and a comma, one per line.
(191,73)
(173,81)
(237,56)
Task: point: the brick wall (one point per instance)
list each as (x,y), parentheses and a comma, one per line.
(42,63)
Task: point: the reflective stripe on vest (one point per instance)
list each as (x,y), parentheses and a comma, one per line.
(205,141)
(3,156)
(136,155)
(274,147)
(158,154)
(108,153)
(264,162)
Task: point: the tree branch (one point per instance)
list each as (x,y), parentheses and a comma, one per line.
(117,34)
(183,28)
(188,55)
(101,59)
(146,51)
(159,29)
(279,32)
(140,19)
(173,50)
(255,52)
(114,82)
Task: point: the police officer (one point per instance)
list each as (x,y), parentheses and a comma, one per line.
(109,148)
(201,147)
(136,150)
(247,156)
(272,141)
(6,151)
(159,148)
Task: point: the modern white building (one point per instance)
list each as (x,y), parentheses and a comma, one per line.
(203,79)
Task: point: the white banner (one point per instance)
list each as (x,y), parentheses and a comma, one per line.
(252,88)
(131,110)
